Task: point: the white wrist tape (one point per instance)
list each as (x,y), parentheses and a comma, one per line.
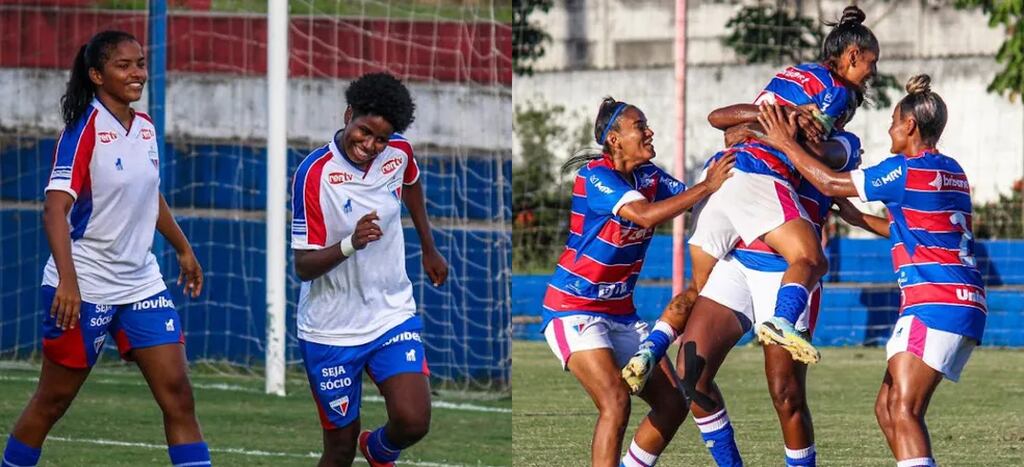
(347,248)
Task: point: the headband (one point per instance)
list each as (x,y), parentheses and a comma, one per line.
(608,126)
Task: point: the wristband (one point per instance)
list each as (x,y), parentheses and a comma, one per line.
(347,248)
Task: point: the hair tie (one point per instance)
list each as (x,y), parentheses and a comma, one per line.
(608,126)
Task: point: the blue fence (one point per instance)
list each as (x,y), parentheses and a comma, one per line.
(860,299)
(467,319)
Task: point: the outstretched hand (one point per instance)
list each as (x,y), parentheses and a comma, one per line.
(780,129)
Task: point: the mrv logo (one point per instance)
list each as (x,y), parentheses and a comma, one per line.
(158,302)
(889,177)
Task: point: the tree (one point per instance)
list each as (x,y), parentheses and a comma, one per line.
(1009,13)
(527,39)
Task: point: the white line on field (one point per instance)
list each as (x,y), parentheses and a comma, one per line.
(236,388)
(240,451)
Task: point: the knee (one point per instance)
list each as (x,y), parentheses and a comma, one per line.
(787,397)
(177,400)
(815,261)
(882,412)
(338,455)
(615,408)
(902,408)
(411,427)
(53,405)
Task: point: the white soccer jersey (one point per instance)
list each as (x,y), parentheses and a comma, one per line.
(369,293)
(114,176)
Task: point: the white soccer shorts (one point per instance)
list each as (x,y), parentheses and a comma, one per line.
(753,293)
(746,207)
(944,351)
(574,333)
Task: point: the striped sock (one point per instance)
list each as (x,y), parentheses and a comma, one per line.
(380,448)
(791,301)
(189,455)
(801,457)
(18,454)
(720,439)
(916,462)
(637,457)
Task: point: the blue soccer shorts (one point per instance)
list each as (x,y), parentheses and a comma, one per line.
(335,372)
(149,322)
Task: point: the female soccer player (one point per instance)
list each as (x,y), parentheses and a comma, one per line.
(766,183)
(942,310)
(619,197)
(101,276)
(356,309)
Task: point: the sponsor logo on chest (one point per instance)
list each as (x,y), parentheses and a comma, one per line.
(391,165)
(147,134)
(107,137)
(337,178)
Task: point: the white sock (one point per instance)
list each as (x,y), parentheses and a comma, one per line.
(917,462)
(665,328)
(713,422)
(637,457)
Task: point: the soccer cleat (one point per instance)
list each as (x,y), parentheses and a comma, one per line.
(638,369)
(364,437)
(779,331)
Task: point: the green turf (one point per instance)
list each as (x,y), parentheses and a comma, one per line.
(978,421)
(115,405)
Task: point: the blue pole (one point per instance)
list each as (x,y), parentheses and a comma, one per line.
(157,85)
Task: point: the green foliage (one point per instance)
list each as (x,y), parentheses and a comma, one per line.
(1000,219)
(1009,13)
(878,92)
(761,34)
(527,39)
(540,194)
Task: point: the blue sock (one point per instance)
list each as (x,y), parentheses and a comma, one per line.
(659,339)
(192,454)
(17,454)
(382,449)
(791,301)
(801,457)
(719,438)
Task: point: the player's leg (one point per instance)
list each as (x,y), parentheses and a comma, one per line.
(334,374)
(913,383)
(68,356)
(399,367)
(149,332)
(797,242)
(712,330)
(882,412)
(584,346)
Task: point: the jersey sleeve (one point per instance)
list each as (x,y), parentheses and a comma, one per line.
(831,101)
(308,229)
(607,192)
(851,145)
(668,186)
(412,169)
(72,156)
(884,182)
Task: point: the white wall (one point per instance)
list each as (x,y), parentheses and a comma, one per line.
(985,132)
(234,107)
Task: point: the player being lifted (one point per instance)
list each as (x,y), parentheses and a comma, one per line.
(590,321)
(356,308)
(103,204)
(942,306)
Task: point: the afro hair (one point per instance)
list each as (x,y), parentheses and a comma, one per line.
(383,95)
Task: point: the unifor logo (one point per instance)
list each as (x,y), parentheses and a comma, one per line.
(968,295)
(889,177)
(391,165)
(336,178)
(340,405)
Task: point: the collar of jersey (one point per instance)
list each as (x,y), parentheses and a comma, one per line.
(344,156)
(922,153)
(96,102)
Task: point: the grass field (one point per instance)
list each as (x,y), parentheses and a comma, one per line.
(976,422)
(115,422)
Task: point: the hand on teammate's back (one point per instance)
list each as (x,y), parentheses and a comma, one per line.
(366,231)
(190,273)
(779,128)
(67,302)
(718,172)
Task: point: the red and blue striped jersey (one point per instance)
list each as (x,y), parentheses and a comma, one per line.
(761,257)
(929,202)
(599,267)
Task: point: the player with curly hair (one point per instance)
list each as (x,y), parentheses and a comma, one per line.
(356,309)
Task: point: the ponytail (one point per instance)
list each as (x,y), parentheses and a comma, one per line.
(849,30)
(80,89)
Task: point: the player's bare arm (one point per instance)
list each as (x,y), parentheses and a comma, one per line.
(648,214)
(855,217)
(190,272)
(727,117)
(780,133)
(433,263)
(311,264)
(68,300)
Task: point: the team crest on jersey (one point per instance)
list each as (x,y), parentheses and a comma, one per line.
(97,343)
(340,405)
(337,178)
(391,165)
(107,137)
(146,134)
